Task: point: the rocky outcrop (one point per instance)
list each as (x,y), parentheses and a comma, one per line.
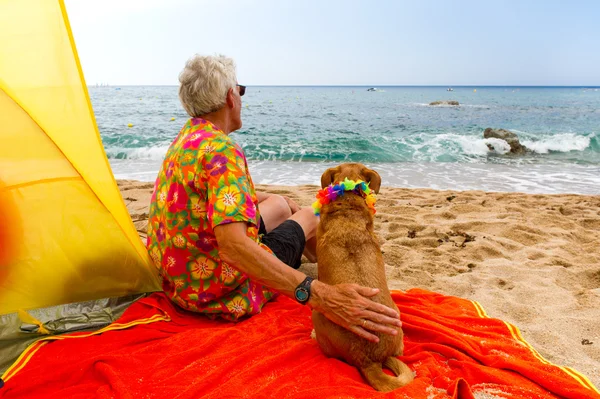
(512,139)
(445,102)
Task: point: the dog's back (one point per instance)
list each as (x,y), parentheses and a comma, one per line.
(348,252)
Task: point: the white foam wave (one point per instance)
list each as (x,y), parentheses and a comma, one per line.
(539,179)
(479,146)
(499,146)
(558,143)
(155,152)
(468,145)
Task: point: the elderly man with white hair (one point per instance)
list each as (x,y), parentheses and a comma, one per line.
(221,248)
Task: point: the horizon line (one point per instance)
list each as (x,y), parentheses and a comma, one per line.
(352,85)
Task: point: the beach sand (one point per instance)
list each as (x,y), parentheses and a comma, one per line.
(530,260)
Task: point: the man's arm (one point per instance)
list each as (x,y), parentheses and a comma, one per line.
(238,250)
(344,304)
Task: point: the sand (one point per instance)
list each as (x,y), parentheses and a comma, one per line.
(530,260)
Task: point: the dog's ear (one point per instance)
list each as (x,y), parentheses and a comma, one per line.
(373,179)
(328,176)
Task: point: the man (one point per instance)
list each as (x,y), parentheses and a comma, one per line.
(221,248)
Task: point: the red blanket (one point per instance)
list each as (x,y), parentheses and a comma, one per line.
(454,349)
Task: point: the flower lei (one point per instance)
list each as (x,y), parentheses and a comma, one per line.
(333,191)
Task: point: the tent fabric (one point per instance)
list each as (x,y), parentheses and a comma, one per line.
(16,335)
(65,234)
(455,350)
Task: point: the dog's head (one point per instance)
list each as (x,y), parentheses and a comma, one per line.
(353,171)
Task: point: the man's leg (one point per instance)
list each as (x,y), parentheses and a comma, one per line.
(275,210)
(307,219)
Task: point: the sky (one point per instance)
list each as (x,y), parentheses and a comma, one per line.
(333,42)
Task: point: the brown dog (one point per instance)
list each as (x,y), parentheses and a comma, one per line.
(349,252)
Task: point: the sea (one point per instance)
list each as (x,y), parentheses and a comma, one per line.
(291,135)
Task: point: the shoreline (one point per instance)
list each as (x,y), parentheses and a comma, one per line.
(532,260)
(491,177)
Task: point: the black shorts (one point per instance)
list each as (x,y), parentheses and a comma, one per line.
(286,241)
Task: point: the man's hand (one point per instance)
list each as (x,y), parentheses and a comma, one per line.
(293,206)
(349,306)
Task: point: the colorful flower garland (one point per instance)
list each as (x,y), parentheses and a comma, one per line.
(331,192)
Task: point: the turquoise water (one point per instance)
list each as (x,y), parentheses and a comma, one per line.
(292,134)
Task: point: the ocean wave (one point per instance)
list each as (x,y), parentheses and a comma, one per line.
(348,146)
(469,146)
(558,143)
(499,146)
(154,152)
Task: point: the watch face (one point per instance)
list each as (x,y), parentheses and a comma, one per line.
(301,294)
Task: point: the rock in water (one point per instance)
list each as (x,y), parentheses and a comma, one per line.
(512,139)
(445,102)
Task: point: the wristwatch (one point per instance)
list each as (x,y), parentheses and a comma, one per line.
(302,292)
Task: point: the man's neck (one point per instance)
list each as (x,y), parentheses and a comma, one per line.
(219,119)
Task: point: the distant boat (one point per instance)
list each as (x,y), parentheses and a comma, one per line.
(449,89)
(372,89)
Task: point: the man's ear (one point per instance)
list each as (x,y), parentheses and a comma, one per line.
(328,176)
(230,98)
(373,179)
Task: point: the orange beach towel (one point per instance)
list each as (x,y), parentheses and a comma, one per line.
(159,351)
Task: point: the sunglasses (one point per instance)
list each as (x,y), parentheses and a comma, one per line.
(242,89)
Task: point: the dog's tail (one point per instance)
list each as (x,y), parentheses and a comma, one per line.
(379,380)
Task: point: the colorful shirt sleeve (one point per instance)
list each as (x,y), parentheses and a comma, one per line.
(228,187)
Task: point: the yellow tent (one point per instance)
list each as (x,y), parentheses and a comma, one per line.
(65,234)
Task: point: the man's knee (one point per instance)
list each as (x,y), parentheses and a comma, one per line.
(309,215)
(274,211)
(307,219)
(283,209)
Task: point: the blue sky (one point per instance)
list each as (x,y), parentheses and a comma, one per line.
(331,42)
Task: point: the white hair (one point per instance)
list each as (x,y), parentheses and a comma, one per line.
(205,81)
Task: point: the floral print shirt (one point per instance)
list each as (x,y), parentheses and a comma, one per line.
(203,183)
